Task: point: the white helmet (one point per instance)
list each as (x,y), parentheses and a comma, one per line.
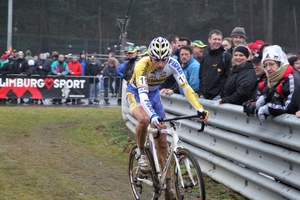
(160,48)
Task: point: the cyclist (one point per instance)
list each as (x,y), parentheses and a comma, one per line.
(143,96)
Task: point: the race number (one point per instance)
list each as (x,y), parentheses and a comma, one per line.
(142,80)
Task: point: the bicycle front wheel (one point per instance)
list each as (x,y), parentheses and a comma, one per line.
(141,183)
(188,178)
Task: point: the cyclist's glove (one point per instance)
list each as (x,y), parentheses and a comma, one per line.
(202,113)
(154,120)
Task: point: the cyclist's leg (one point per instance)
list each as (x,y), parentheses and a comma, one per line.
(142,117)
(161,142)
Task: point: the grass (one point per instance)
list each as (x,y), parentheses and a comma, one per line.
(69,153)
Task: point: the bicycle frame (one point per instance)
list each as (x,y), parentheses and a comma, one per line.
(175,144)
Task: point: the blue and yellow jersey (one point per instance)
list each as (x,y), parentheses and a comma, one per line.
(146,79)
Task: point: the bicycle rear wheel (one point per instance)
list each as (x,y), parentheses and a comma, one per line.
(191,186)
(140,189)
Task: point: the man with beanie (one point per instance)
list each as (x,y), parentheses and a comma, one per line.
(215,67)
(238,36)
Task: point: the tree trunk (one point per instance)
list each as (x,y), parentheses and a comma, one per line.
(296,30)
(270,22)
(265,18)
(251,20)
(100,29)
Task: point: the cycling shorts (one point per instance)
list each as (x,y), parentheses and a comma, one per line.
(133,100)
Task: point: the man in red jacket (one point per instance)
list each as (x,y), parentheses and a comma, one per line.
(75,69)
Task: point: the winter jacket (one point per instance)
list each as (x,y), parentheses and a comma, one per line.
(215,69)
(45,67)
(76,68)
(83,63)
(284,97)
(93,70)
(57,67)
(240,84)
(129,68)
(110,71)
(260,85)
(6,67)
(120,68)
(18,66)
(191,72)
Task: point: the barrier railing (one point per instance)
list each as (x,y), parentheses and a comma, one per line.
(258,160)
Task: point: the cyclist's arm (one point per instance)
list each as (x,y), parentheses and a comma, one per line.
(183,84)
(140,79)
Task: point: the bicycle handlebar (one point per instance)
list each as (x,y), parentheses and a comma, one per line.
(200,114)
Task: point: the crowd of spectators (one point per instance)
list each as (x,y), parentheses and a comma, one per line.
(257,75)
(104,76)
(232,70)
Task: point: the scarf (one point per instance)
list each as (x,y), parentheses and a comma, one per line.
(274,78)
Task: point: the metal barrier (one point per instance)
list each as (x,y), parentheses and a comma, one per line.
(258,160)
(111,87)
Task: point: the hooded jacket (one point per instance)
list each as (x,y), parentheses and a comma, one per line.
(240,84)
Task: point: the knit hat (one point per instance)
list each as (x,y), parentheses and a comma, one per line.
(238,31)
(253,46)
(274,52)
(198,43)
(30,62)
(257,57)
(4,57)
(243,49)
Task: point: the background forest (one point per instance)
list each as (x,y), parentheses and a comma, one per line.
(91,25)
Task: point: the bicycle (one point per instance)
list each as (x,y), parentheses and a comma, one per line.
(187,175)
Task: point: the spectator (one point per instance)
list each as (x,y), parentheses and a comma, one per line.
(5,68)
(198,49)
(54,56)
(29,68)
(42,66)
(111,56)
(215,67)
(14,56)
(75,69)
(190,67)
(94,70)
(238,36)
(69,58)
(227,44)
(83,62)
(240,84)
(183,41)
(28,55)
(144,53)
(110,72)
(129,67)
(253,47)
(259,43)
(173,40)
(261,77)
(19,68)
(59,68)
(295,63)
(19,64)
(283,87)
